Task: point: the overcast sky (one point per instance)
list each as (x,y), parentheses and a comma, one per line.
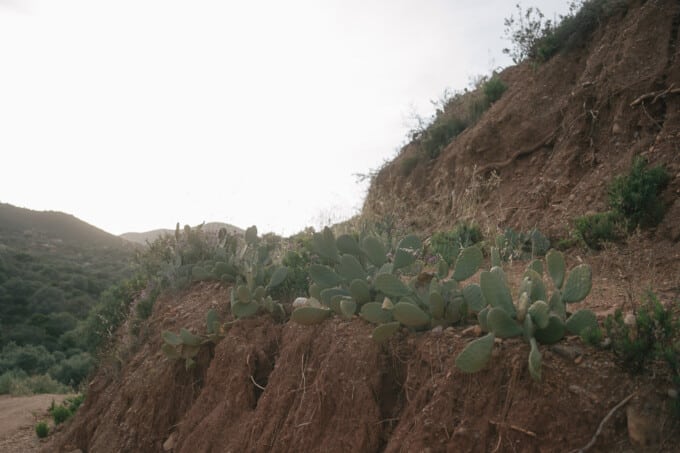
(136,114)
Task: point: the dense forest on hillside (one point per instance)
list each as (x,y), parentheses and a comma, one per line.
(53,269)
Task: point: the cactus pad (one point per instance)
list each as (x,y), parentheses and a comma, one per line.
(578,284)
(374,313)
(468,263)
(495,292)
(308,316)
(476,354)
(535,361)
(391,285)
(553,333)
(384,332)
(556,267)
(410,315)
(501,324)
(474,298)
(580,321)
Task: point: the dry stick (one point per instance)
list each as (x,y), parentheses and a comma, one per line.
(604,420)
(256,384)
(516,428)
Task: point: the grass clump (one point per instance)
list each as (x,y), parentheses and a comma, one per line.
(42,430)
(62,412)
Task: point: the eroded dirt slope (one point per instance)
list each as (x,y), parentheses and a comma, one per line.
(285,387)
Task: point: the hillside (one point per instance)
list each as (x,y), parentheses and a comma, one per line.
(218,367)
(150,236)
(53,270)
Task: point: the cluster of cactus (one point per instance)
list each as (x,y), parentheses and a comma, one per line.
(521,245)
(536,317)
(361,278)
(186,345)
(250,294)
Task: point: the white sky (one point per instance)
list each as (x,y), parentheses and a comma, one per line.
(136,114)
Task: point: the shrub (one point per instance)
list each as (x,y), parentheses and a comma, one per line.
(494,89)
(17,383)
(408,164)
(596,229)
(652,336)
(42,430)
(440,133)
(60,414)
(636,195)
(449,244)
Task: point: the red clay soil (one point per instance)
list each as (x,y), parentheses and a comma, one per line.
(285,387)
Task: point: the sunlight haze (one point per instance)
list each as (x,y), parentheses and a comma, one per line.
(134,115)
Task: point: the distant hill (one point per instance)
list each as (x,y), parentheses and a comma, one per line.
(53,226)
(150,236)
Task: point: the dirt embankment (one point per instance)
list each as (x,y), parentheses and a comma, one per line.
(273,387)
(557,136)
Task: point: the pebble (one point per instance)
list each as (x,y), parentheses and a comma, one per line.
(673,394)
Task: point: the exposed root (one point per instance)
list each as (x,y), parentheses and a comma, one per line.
(604,420)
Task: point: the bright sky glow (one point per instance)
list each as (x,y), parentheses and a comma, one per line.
(136,114)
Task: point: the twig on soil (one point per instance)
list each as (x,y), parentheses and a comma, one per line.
(604,420)
(516,428)
(387,420)
(256,384)
(304,383)
(303,424)
(655,95)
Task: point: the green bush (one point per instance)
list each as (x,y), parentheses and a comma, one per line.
(440,133)
(654,335)
(408,164)
(449,244)
(42,430)
(494,89)
(636,195)
(596,229)
(17,383)
(60,414)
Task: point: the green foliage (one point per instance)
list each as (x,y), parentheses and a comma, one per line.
(42,430)
(408,164)
(448,244)
(596,229)
(521,245)
(535,38)
(18,383)
(635,196)
(493,89)
(440,133)
(653,335)
(531,317)
(60,414)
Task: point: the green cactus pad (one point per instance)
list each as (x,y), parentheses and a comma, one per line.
(578,284)
(350,269)
(347,308)
(437,305)
(315,291)
(495,292)
(553,333)
(212,322)
(556,267)
(442,268)
(536,266)
(391,285)
(328,294)
(374,313)
(410,315)
(170,351)
(279,275)
(501,324)
(243,294)
(241,311)
(189,351)
(468,263)
(200,273)
(171,338)
(500,272)
(473,297)
(540,314)
(385,269)
(455,309)
(557,305)
(407,252)
(259,293)
(535,361)
(360,291)
(384,332)
(580,321)
(495,257)
(324,276)
(324,244)
(308,316)
(529,328)
(476,355)
(189,363)
(189,338)
(482,318)
(538,291)
(523,305)
(375,250)
(347,244)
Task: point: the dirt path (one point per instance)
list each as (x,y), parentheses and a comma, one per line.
(18,416)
